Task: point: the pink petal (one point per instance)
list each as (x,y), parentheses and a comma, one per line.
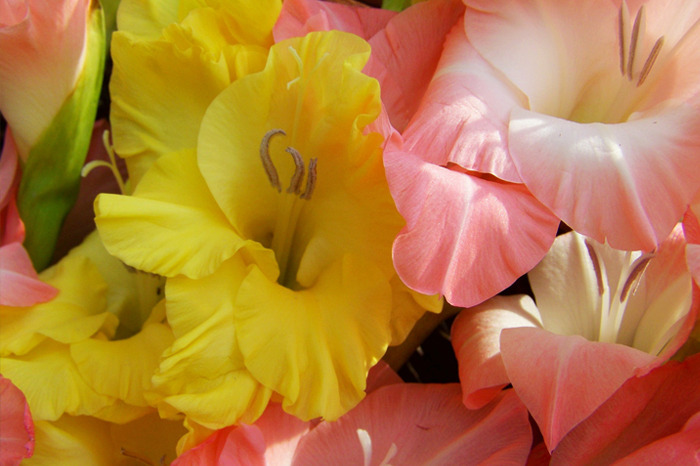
(476,339)
(426,424)
(17,432)
(465,237)
(299,17)
(464,115)
(380,375)
(656,414)
(406,52)
(43,51)
(604,180)
(19,284)
(232,445)
(563,379)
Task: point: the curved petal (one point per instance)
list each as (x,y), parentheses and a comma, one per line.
(563,379)
(17,436)
(465,237)
(645,411)
(603,180)
(465,113)
(476,339)
(166,231)
(315,346)
(421,424)
(233,445)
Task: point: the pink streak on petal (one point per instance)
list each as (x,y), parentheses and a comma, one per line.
(299,17)
(645,411)
(476,335)
(604,180)
(428,425)
(563,379)
(465,237)
(464,115)
(406,52)
(17,431)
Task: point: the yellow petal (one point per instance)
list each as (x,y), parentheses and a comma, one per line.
(315,346)
(166,231)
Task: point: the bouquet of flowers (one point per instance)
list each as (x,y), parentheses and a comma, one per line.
(225,225)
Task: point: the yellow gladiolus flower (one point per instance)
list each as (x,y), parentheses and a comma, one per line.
(275,234)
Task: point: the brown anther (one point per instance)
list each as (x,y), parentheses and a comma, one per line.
(635,275)
(651,59)
(295,183)
(310,180)
(136,456)
(623,29)
(596,267)
(267,162)
(639,25)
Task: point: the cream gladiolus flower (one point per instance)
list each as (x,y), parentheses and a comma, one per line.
(275,236)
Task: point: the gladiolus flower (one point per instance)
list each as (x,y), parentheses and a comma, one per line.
(593,106)
(51,63)
(293,292)
(602,317)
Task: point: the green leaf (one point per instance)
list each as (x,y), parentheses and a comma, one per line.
(51,176)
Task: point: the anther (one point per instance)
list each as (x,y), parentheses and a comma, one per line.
(635,276)
(295,183)
(624,21)
(267,162)
(651,59)
(639,25)
(310,180)
(596,266)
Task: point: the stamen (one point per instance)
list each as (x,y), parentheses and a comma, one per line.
(596,266)
(635,275)
(639,25)
(651,59)
(295,183)
(624,24)
(267,162)
(112,164)
(135,456)
(310,180)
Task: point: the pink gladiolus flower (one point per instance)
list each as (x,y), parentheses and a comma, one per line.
(654,419)
(19,283)
(602,317)
(592,105)
(396,424)
(17,431)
